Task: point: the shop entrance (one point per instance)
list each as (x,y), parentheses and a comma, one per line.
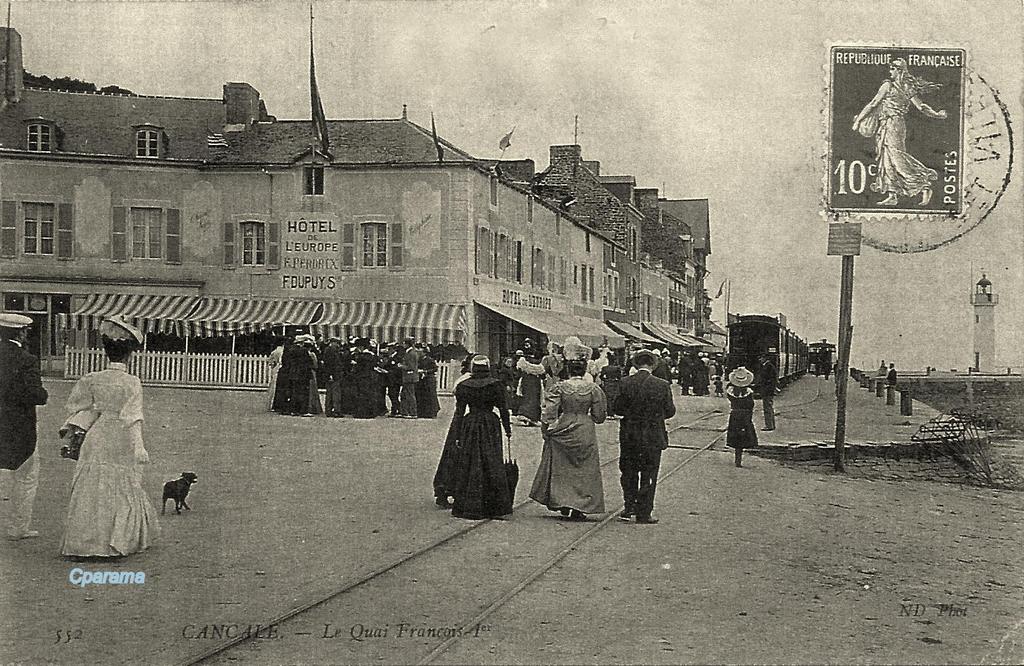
(45,337)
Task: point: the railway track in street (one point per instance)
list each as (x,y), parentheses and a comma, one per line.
(315,616)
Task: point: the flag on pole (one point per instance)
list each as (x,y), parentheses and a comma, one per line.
(317,107)
(437,142)
(720,288)
(506,140)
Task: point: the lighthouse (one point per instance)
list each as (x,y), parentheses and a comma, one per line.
(984,302)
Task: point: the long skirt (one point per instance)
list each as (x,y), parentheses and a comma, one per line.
(109,513)
(427,405)
(529,402)
(481,487)
(314,397)
(364,395)
(741,433)
(272,388)
(444,476)
(569,475)
(281,385)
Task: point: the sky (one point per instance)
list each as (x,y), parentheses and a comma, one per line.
(721,100)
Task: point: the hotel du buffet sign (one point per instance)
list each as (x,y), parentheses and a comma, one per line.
(310,252)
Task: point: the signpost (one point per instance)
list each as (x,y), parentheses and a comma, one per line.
(843,240)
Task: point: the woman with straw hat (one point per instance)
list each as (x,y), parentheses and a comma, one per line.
(109,514)
(741,434)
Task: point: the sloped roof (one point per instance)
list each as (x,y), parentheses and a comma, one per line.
(694,212)
(351,141)
(102,124)
(98,124)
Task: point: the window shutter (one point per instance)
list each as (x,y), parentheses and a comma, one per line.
(396,245)
(65,231)
(173,236)
(519,261)
(119,235)
(348,246)
(8,229)
(274,244)
(229,243)
(477,244)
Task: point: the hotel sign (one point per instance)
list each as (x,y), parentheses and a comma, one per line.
(519,299)
(310,252)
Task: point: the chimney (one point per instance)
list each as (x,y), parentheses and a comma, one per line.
(565,157)
(647,202)
(594,166)
(518,170)
(11,68)
(242,103)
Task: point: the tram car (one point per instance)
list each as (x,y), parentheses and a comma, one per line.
(753,336)
(820,357)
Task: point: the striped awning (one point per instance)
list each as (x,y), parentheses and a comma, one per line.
(148,312)
(669,335)
(559,325)
(632,332)
(238,316)
(436,323)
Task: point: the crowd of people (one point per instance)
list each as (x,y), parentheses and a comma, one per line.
(566,392)
(360,378)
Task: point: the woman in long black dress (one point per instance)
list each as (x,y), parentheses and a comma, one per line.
(480,486)
(741,434)
(364,383)
(427,405)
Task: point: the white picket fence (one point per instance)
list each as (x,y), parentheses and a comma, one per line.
(202,370)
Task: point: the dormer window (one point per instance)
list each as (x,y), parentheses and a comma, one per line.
(314,180)
(40,138)
(147,142)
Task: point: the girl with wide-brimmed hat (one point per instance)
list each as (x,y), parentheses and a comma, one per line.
(741,434)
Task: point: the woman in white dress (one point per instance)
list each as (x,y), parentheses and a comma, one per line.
(109,514)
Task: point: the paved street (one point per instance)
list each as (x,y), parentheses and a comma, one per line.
(764,563)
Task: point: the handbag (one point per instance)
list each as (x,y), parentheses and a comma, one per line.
(73,432)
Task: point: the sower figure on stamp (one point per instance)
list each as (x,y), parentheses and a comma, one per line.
(20,391)
(644,403)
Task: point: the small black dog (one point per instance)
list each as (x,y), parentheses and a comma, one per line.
(177,490)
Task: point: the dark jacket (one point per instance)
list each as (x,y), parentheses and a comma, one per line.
(662,370)
(768,379)
(644,403)
(20,391)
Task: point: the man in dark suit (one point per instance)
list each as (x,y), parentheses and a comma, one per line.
(644,403)
(661,369)
(20,391)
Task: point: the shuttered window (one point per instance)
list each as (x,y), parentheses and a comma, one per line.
(66,231)
(519,261)
(37,238)
(173,238)
(590,270)
(375,244)
(348,246)
(147,233)
(254,244)
(274,244)
(8,229)
(229,243)
(119,234)
(397,248)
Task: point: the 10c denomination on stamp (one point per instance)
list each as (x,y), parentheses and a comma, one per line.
(896,130)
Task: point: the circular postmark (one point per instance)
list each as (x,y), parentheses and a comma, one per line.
(929,154)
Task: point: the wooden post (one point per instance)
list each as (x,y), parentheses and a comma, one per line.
(890,395)
(842,373)
(906,402)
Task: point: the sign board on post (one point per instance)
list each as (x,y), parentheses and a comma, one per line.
(844,239)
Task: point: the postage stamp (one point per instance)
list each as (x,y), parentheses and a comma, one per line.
(896,130)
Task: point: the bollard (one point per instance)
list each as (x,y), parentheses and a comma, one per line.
(906,403)
(871,385)
(863,381)
(879,388)
(890,395)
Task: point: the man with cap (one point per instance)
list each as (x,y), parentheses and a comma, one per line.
(20,391)
(644,403)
